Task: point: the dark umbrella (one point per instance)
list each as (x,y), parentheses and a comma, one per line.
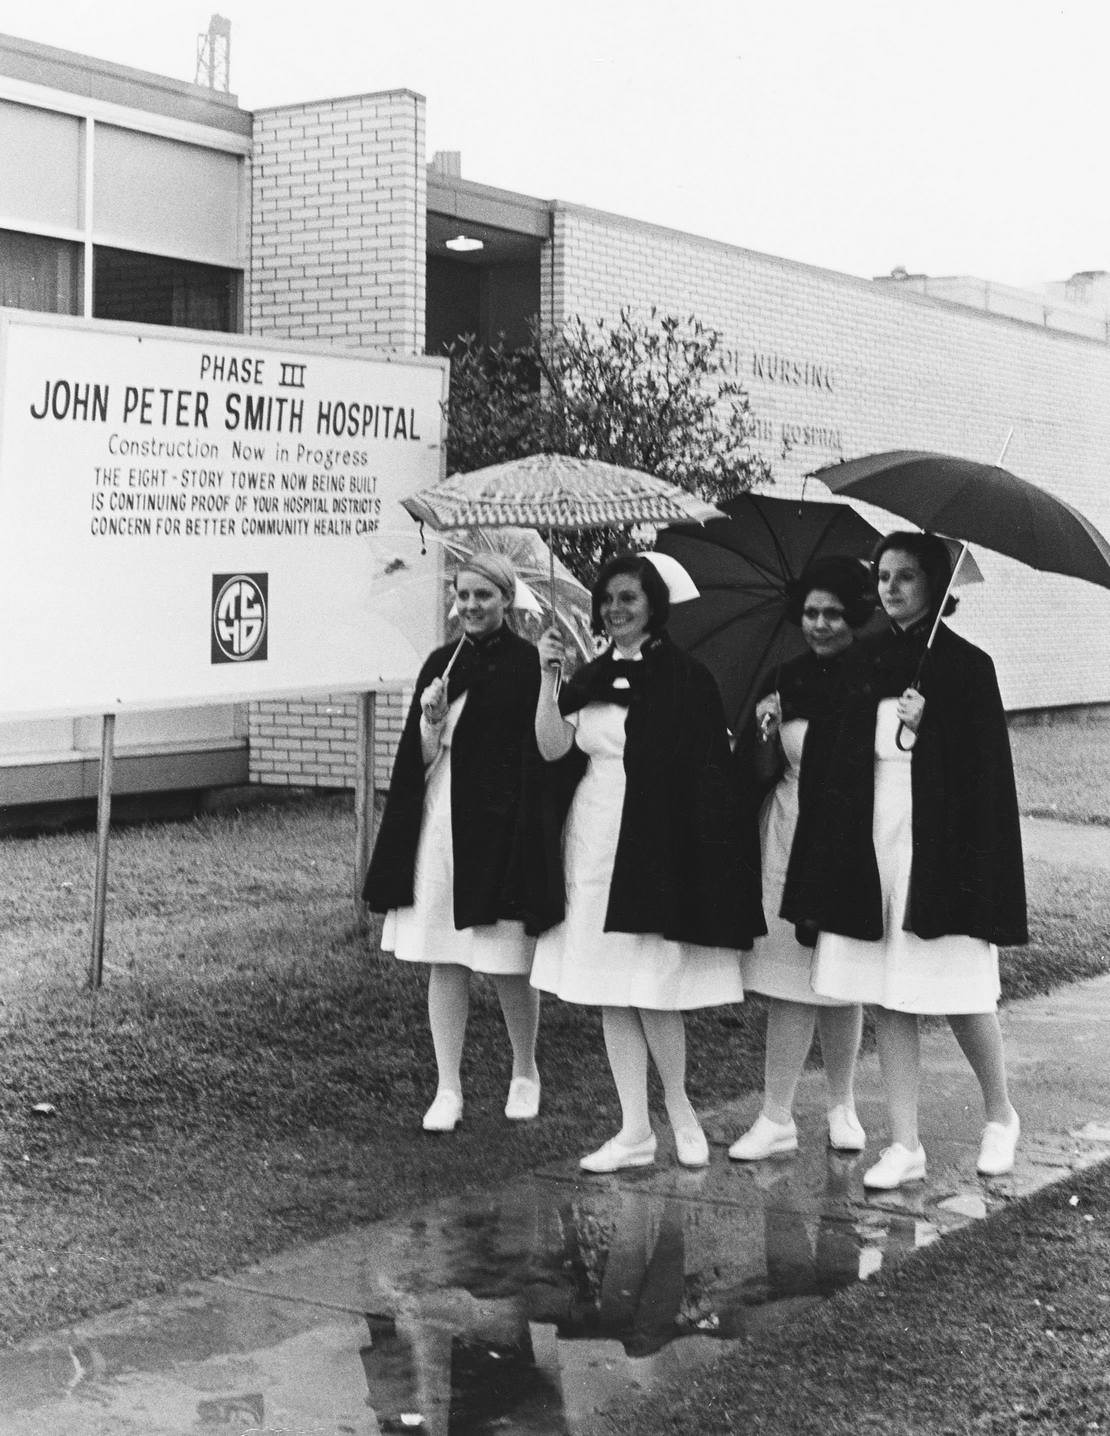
(978,503)
(744,565)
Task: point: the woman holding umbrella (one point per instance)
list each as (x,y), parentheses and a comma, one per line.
(656,902)
(446,866)
(831,600)
(910,864)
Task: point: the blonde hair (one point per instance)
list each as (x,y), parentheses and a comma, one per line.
(494,566)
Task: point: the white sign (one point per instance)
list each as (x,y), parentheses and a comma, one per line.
(192,518)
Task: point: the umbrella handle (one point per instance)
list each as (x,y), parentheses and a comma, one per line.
(551,595)
(558,679)
(458,649)
(915,681)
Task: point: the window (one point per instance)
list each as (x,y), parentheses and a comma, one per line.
(41,168)
(157,195)
(39,273)
(148,289)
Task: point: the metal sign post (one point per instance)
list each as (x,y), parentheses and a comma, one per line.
(103,824)
(365,742)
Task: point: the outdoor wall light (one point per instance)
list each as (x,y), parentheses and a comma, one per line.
(464,244)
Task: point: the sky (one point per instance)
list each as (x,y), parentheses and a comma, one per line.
(954,137)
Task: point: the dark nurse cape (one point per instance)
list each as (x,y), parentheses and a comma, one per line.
(494,761)
(967,875)
(686,865)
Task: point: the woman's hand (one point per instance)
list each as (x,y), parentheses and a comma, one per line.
(911,709)
(768,716)
(433,701)
(554,734)
(552,652)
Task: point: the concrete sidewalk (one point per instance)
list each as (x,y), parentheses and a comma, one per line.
(1066,845)
(533,1308)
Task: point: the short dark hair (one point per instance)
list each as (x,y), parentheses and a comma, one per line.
(932,553)
(848,579)
(651,581)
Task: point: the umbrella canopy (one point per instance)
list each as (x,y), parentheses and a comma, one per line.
(979,503)
(535,565)
(743,565)
(409,586)
(555,491)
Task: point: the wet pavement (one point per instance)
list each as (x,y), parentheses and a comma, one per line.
(534,1308)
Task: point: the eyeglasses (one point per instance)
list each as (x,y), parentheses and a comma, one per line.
(830,615)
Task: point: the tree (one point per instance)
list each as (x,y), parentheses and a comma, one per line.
(654,395)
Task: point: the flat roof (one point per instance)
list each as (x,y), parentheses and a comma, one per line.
(482,204)
(74,74)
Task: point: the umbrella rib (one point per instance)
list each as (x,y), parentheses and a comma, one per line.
(784,567)
(703,534)
(773,639)
(765,591)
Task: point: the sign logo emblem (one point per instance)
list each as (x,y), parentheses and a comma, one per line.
(240,617)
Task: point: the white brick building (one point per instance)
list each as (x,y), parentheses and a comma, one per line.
(322,222)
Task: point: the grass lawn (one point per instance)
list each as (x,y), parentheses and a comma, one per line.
(252,1074)
(1063,771)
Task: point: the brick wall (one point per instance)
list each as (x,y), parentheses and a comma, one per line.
(837,366)
(338,243)
(338,257)
(310,742)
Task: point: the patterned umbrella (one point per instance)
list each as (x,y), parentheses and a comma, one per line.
(555,491)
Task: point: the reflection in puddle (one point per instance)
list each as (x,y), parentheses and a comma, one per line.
(885,1236)
(628,1277)
(426,1380)
(231,1412)
(534,1311)
(490,1385)
(967,1204)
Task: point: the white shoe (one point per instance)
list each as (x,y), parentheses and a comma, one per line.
(445,1113)
(765,1138)
(845,1132)
(614,1156)
(524,1100)
(1000,1139)
(896,1165)
(691,1146)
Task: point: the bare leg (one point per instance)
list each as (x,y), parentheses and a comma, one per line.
(899,1045)
(789,1038)
(980,1037)
(448,1008)
(665,1033)
(520,1004)
(841,1029)
(627,1049)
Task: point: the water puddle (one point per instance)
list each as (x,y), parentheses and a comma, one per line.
(529,1311)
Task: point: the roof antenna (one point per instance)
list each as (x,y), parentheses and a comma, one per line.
(214,55)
